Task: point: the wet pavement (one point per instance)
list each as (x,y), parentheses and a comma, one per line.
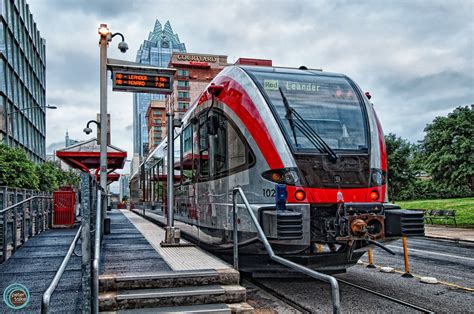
(125,249)
(34,265)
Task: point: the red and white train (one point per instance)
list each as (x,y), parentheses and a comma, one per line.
(312,133)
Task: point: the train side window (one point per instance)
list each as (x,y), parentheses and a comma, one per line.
(223,153)
(187,154)
(228,150)
(218,145)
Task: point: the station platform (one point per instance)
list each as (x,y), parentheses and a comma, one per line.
(138,275)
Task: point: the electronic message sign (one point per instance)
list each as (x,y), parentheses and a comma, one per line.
(146,83)
(139,78)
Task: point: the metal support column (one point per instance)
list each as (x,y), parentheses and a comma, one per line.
(172,234)
(15,221)
(23,219)
(5,225)
(86,242)
(30,218)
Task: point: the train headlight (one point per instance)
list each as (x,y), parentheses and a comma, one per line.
(288,176)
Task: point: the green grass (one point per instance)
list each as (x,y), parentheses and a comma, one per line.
(464,208)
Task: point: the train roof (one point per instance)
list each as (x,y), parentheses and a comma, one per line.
(264,69)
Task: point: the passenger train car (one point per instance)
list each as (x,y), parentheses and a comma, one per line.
(311,133)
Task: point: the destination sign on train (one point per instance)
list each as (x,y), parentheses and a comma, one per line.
(144,83)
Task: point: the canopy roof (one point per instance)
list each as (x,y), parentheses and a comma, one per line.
(86,156)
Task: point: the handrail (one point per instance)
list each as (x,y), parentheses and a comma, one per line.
(47,294)
(95,263)
(24,201)
(317,275)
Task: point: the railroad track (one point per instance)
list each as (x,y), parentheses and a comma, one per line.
(407,304)
(303,309)
(279,296)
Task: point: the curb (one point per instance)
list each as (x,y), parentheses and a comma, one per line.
(455,240)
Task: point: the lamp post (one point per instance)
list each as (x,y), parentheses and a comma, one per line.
(105,37)
(7,120)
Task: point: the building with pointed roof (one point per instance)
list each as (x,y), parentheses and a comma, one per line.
(157,51)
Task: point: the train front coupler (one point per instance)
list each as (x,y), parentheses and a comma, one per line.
(359,221)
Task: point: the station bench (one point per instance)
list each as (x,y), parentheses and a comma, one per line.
(446,214)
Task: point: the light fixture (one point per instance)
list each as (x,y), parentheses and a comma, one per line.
(103,30)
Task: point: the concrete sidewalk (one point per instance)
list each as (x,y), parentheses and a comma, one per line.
(449,233)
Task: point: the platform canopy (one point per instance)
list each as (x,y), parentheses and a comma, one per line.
(86,156)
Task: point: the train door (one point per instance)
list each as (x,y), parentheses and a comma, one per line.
(222,154)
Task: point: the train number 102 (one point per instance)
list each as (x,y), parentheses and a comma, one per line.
(269,192)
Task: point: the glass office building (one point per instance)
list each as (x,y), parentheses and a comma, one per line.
(22,80)
(157,51)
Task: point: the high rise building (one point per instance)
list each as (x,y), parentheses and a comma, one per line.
(124,186)
(157,51)
(156,119)
(22,80)
(194,71)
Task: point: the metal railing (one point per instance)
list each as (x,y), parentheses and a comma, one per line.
(317,275)
(47,294)
(96,261)
(24,213)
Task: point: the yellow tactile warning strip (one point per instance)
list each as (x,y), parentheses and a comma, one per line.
(449,284)
(178,258)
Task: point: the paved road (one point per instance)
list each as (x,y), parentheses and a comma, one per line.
(447,261)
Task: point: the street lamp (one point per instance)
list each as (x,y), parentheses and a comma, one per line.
(7,120)
(105,37)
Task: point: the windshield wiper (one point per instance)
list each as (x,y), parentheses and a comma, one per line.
(289,115)
(306,129)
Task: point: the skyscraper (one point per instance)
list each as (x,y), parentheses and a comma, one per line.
(157,51)
(22,80)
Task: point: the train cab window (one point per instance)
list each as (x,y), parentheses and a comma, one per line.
(327,104)
(187,154)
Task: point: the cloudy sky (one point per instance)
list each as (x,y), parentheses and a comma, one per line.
(415,57)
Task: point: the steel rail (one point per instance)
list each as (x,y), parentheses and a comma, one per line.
(312,273)
(279,296)
(52,286)
(23,202)
(413,306)
(95,262)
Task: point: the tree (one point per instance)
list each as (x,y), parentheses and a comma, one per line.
(448,149)
(401,173)
(16,169)
(52,177)
(49,176)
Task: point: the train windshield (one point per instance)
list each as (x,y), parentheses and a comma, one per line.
(328,104)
